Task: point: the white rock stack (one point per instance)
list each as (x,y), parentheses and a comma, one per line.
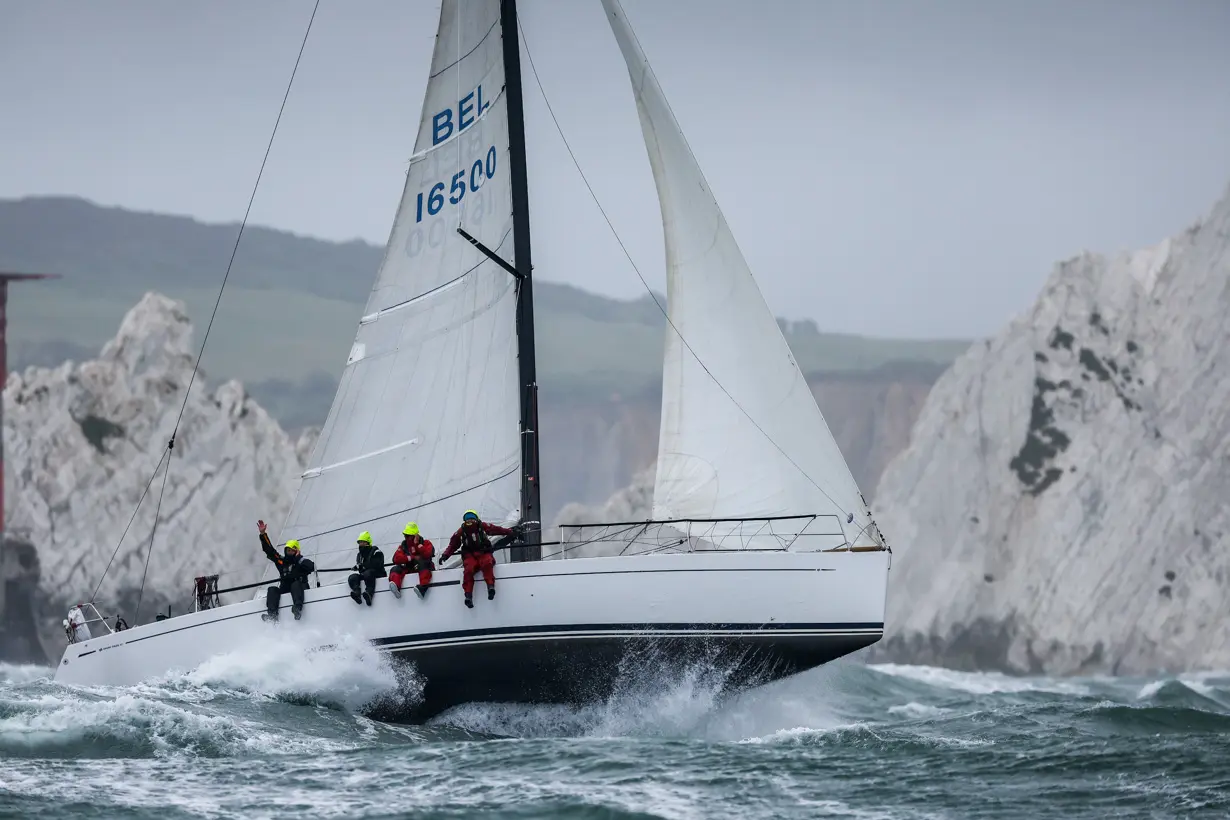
(82,440)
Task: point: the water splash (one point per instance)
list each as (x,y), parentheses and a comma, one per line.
(707,694)
(307,666)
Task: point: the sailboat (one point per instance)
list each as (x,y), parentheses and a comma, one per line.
(760,546)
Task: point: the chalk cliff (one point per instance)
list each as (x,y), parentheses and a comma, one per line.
(1061,507)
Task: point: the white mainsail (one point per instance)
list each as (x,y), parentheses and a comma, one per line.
(425,422)
(741,433)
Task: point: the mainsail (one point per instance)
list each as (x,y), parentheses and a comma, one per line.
(741,435)
(425,422)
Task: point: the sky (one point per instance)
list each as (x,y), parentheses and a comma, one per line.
(889,167)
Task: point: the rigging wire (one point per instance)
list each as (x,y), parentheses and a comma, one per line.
(251,199)
(640,276)
(157,510)
(213,315)
(135,510)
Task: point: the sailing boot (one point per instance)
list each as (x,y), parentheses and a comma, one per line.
(270,616)
(367,597)
(470,601)
(490,593)
(354,593)
(421,590)
(297,611)
(395,589)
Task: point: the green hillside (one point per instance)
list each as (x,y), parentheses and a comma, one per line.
(292,303)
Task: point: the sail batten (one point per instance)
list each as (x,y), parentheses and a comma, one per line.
(425,421)
(741,434)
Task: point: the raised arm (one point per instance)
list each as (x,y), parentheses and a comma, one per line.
(267,546)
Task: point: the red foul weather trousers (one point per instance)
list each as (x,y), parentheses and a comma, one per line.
(396,576)
(473,562)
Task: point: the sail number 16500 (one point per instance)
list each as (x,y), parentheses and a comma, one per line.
(475,175)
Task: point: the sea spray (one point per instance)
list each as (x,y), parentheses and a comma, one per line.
(662,689)
(310,666)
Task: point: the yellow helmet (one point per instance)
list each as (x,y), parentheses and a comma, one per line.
(365,537)
(468,514)
(292,544)
(411,529)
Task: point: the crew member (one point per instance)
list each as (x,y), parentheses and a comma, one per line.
(293,572)
(76,627)
(368,566)
(414,553)
(476,552)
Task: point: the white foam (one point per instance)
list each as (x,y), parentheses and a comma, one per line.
(800,735)
(914,709)
(1196,683)
(1150,689)
(978,683)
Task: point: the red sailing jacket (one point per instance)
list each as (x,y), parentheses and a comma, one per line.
(476,543)
(422,551)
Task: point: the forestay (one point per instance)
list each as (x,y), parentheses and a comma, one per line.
(425,421)
(741,434)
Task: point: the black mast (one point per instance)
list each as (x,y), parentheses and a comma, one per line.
(531,510)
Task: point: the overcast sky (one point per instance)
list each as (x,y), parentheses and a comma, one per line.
(892,168)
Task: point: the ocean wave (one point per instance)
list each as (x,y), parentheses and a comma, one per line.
(24,673)
(980,683)
(131,726)
(917,710)
(232,740)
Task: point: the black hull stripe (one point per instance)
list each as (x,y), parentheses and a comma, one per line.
(759,637)
(633,630)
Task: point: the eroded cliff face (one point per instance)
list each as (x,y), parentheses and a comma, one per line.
(1062,507)
(592,450)
(82,442)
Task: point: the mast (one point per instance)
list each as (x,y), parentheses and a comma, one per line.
(531,510)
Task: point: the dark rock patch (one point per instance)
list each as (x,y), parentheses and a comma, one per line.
(1043,442)
(97,430)
(1060,338)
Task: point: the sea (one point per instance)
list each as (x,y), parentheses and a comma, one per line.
(278,730)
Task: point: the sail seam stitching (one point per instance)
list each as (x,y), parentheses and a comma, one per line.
(371,317)
(477,46)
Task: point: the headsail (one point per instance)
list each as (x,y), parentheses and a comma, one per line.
(425,421)
(741,433)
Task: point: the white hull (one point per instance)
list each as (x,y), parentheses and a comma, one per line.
(556,629)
